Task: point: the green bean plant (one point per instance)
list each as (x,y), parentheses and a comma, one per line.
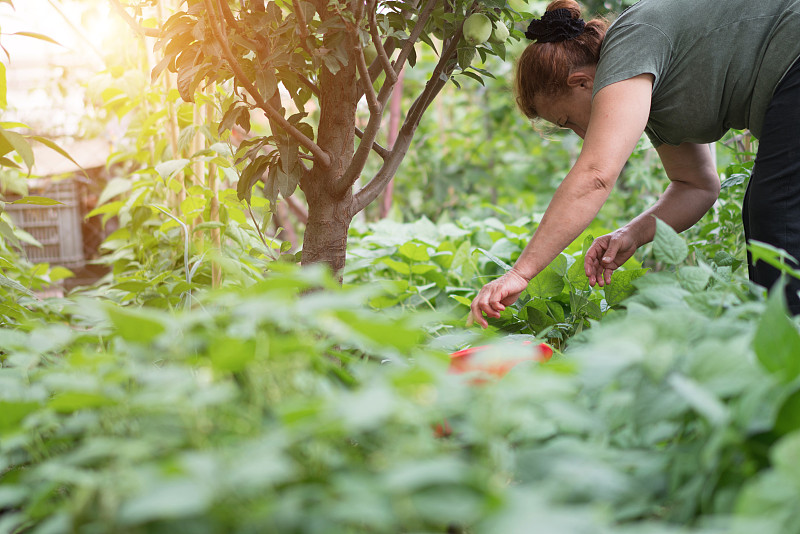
(676,413)
(442,266)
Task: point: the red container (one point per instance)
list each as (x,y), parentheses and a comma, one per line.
(469,360)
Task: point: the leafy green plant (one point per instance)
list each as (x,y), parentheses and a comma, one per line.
(443,266)
(674,414)
(181,223)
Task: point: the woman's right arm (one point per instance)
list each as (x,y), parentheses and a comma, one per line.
(693,189)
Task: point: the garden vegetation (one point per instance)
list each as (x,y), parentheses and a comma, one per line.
(208,384)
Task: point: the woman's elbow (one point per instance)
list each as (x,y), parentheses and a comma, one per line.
(600,180)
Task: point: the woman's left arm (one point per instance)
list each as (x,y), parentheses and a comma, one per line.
(618,118)
(693,189)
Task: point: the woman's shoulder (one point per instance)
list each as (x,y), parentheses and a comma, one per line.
(655,13)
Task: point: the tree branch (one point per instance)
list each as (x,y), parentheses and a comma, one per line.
(382,152)
(373,188)
(320,156)
(443,69)
(373,126)
(415,33)
(138,28)
(364,78)
(228,14)
(377,66)
(357,7)
(231,20)
(439,77)
(301,20)
(308,83)
(376,108)
(391,75)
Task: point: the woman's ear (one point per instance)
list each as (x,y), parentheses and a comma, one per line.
(581,78)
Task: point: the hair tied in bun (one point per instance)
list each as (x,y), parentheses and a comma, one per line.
(555,26)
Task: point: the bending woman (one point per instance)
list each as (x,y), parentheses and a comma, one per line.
(683,72)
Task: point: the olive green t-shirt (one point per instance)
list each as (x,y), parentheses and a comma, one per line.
(716,62)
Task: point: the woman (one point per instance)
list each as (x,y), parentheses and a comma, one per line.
(683,72)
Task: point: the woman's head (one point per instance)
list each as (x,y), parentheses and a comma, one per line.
(544,67)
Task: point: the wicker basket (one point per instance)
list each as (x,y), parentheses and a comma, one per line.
(57,228)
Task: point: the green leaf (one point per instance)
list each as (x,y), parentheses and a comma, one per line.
(251,174)
(414,251)
(5,162)
(136,325)
(462,300)
(785,454)
(167,499)
(115,187)
(668,246)
(621,286)
(231,354)
(3,87)
(20,145)
(400,267)
(576,275)
(381,332)
(494,259)
(37,201)
(422,268)
(39,36)
(703,401)
(12,413)
(72,401)
(776,341)
(209,225)
(559,265)
(773,256)
(788,418)
(59,273)
(167,169)
(53,146)
(694,278)
(8,233)
(548,283)
(13,284)
(538,314)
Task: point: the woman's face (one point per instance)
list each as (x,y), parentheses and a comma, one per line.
(572,108)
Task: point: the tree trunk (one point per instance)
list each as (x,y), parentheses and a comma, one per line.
(325,237)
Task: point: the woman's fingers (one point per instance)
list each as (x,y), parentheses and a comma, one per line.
(480,305)
(608,261)
(608,275)
(592,266)
(493,298)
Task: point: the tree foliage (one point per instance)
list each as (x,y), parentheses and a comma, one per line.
(314,55)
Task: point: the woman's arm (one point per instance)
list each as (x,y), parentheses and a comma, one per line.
(618,117)
(693,189)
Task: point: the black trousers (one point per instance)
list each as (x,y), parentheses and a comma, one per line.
(771,211)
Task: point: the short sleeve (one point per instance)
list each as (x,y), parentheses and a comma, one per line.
(655,140)
(630,50)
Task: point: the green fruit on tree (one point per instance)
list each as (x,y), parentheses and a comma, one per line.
(370,53)
(519,5)
(499,33)
(477,29)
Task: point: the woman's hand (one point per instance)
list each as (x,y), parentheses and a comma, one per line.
(608,253)
(495,296)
